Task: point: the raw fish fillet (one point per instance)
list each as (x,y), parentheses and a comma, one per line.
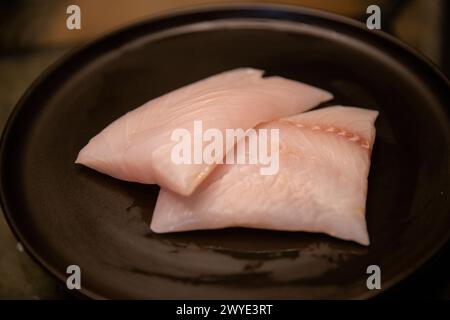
(137,147)
(321,184)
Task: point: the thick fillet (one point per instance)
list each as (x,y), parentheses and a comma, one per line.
(321,185)
(137,147)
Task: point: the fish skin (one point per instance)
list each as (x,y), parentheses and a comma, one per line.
(137,146)
(321,185)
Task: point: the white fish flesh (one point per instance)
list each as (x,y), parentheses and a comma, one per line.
(137,147)
(321,184)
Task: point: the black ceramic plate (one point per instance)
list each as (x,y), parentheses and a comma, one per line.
(68,214)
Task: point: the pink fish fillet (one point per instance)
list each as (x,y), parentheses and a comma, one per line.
(321,184)
(137,147)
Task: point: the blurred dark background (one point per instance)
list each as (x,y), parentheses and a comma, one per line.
(33,34)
